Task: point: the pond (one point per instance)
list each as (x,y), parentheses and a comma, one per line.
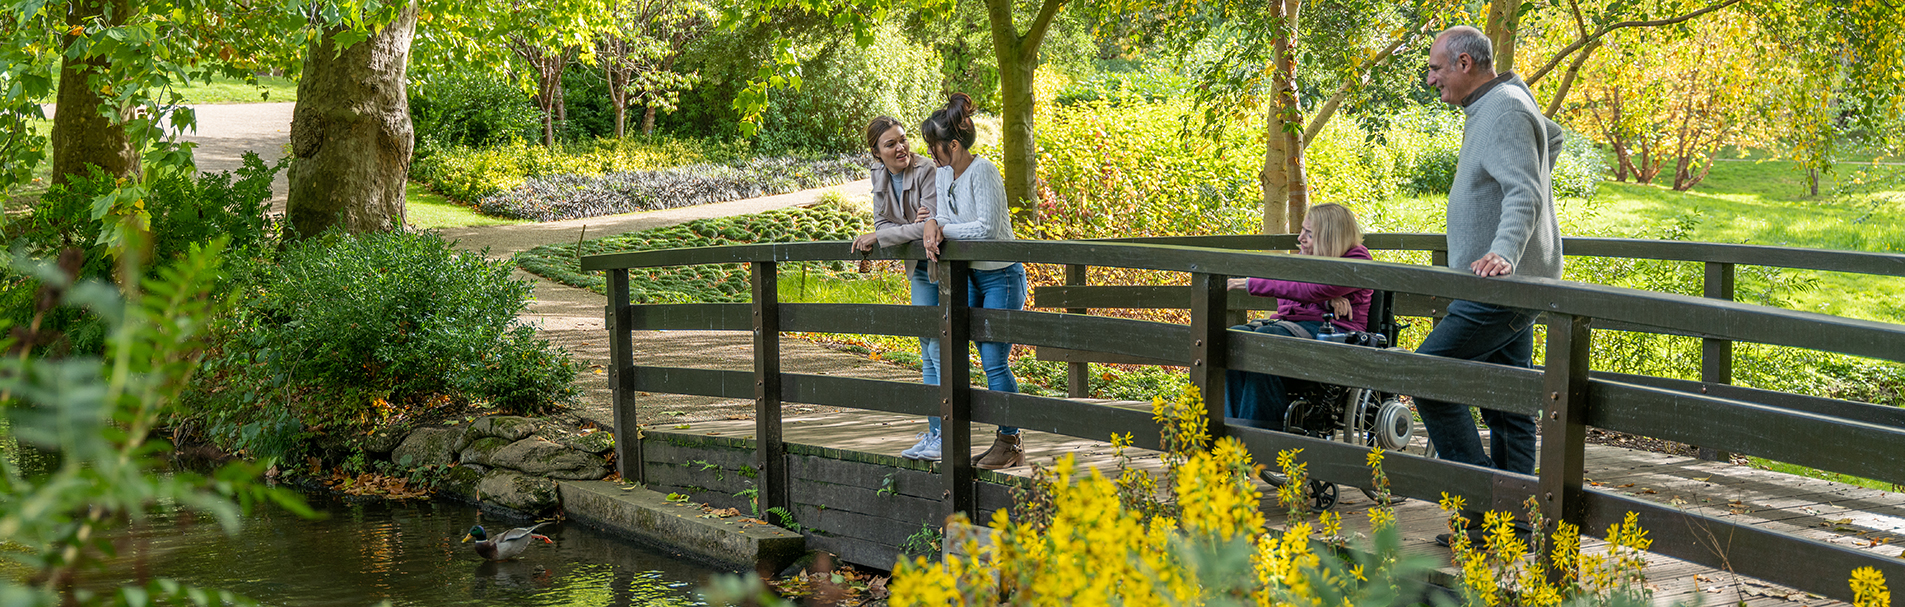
(407,553)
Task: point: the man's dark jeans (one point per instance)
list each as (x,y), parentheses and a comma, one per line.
(1486,333)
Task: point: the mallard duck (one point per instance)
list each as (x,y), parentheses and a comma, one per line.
(509,545)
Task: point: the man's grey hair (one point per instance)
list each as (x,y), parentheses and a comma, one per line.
(1463,39)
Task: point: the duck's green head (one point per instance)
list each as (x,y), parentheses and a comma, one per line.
(476,533)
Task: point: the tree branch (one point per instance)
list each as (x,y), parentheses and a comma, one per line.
(1035,35)
(1571,48)
(1324,112)
(1567,79)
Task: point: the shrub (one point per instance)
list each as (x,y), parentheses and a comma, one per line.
(1150,86)
(558,197)
(468,108)
(844,86)
(708,283)
(186,211)
(354,329)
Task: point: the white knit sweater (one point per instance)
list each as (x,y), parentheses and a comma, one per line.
(972,207)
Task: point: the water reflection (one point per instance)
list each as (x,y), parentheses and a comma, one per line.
(408,554)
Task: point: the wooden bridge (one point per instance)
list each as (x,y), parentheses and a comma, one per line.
(863,505)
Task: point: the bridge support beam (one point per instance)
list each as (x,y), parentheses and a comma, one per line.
(628,442)
(1564,423)
(1077,374)
(769,455)
(955,387)
(1210,299)
(1716,355)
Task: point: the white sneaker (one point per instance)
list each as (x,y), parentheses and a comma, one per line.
(913,451)
(926,449)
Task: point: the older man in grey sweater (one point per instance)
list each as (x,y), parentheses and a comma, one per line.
(1501,222)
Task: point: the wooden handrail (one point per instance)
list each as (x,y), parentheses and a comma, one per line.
(1842,437)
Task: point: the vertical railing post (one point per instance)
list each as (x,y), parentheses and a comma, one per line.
(1208,324)
(1077,375)
(628,435)
(1564,420)
(1716,355)
(769,455)
(955,387)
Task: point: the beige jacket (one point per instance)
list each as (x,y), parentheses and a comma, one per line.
(894,216)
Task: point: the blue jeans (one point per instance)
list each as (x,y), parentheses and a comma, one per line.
(1001,289)
(1261,397)
(1486,333)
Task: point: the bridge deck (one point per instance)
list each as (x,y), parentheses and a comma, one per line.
(1845,514)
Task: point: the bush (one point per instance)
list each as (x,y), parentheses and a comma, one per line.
(469,108)
(352,329)
(467,175)
(845,86)
(708,283)
(1149,86)
(185,211)
(1427,142)
(558,197)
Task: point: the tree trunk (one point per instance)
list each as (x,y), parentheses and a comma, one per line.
(1285,190)
(81,136)
(1567,80)
(351,133)
(648,120)
(1501,31)
(621,121)
(1016,73)
(1812,179)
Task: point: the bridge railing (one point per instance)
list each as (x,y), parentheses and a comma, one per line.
(1851,438)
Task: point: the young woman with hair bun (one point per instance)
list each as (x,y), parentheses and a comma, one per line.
(972,206)
(905,193)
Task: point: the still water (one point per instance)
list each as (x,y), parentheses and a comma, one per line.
(406,553)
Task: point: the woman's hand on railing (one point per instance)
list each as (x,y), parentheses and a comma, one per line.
(1237,284)
(934,236)
(1341,307)
(865,242)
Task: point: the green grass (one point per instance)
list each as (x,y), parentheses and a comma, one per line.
(220,89)
(1798,470)
(430,211)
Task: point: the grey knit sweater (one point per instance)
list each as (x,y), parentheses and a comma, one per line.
(1502,200)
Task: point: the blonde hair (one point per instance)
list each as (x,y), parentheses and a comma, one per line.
(1333,230)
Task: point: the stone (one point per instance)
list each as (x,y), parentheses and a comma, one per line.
(649,516)
(384,439)
(507,427)
(427,447)
(517,491)
(544,458)
(597,442)
(480,451)
(460,483)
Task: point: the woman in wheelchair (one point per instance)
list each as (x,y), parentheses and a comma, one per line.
(1260,399)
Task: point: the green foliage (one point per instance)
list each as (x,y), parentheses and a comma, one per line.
(1143,85)
(708,283)
(99,413)
(185,213)
(467,108)
(844,86)
(1124,170)
(348,330)
(467,174)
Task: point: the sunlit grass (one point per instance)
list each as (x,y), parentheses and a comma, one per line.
(428,210)
(269,89)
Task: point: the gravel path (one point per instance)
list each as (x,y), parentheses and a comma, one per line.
(226,131)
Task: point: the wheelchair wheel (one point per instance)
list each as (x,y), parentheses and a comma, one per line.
(1374,419)
(1322,495)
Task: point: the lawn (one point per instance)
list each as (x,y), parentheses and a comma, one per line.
(428,210)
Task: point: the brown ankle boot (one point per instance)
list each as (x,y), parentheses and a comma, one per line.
(1007,451)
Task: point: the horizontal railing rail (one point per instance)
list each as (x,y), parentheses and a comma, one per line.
(1840,436)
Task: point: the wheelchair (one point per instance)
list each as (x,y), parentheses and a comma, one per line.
(1358,416)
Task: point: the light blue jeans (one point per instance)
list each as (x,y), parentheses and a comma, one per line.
(1001,289)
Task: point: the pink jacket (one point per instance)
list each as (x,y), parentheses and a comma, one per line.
(1300,301)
